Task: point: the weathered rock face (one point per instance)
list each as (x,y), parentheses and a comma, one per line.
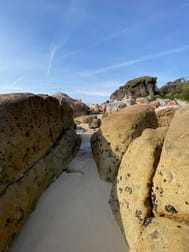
(164,235)
(116,133)
(165,116)
(137,87)
(118,105)
(29,126)
(170,190)
(149,196)
(37,142)
(131,194)
(114,106)
(79,108)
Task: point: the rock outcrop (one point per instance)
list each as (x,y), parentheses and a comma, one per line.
(79,108)
(165,116)
(170,183)
(114,106)
(118,105)
(142,86)
(178,89)
(117,131)
(37,142)
(131,194)
(171,87)
(149,196)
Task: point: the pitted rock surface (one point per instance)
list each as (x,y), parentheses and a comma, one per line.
(117,131)
(131,192)
(170,182)
(163,234)
(37,142)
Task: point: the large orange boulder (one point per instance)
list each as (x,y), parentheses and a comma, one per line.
(117,131)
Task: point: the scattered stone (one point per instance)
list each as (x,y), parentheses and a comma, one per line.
(95,124)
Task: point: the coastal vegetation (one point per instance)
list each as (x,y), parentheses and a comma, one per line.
(147,85)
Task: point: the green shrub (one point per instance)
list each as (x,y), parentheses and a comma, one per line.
(183,94)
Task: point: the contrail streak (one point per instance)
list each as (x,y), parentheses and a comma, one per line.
(138,60)
(51,58)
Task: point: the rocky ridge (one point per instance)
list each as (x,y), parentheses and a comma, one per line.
(143,90)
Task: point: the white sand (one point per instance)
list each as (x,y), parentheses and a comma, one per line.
(73,215)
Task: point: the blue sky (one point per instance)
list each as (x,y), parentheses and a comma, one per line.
(88,48)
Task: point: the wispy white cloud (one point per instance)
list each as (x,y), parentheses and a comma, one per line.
(136,61)
(93,93)
(16,81)
(128,28)
(114,35)
(12,86)
(52,52)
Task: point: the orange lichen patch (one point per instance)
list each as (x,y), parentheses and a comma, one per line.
(154,105)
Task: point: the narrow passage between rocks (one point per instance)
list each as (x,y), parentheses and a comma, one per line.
(73,214)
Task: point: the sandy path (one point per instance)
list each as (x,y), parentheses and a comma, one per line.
(73,215)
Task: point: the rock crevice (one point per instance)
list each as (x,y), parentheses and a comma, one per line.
(150,187)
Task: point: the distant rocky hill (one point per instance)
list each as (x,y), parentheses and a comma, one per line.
(146,86)
(142,86)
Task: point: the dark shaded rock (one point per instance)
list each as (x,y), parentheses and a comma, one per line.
(142,86)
